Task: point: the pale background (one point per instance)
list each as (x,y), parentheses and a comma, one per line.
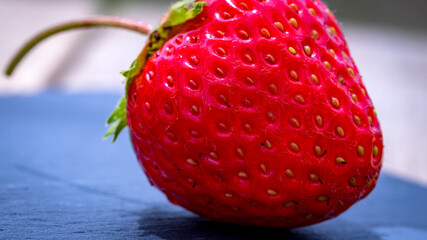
(387,38)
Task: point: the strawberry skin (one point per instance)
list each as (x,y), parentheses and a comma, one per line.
(257,115)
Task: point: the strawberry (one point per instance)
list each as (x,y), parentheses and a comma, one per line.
(252,112)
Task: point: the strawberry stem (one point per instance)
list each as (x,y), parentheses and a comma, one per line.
(101,21)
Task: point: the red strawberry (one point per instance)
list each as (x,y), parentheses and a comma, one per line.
(252,112)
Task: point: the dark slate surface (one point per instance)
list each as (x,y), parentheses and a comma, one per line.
(59,180)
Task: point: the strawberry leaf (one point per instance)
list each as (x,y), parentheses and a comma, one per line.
(135,68)
(179,13)
(183,11)
(117,121)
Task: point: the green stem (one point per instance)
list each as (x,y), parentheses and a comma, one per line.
(101,21)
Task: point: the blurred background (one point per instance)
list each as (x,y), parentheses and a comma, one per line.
(387,38)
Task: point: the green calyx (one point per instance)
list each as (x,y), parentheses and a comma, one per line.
(117,121)
(179,13)
(182,11)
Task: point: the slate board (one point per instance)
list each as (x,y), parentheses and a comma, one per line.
(59,180)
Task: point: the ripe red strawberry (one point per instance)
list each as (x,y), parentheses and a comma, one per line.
(252,112)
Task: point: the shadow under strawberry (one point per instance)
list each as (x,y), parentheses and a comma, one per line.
(161,223)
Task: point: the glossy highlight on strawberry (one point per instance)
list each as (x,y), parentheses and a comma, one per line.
(256,114)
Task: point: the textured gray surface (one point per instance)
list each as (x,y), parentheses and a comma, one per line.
(59,180)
